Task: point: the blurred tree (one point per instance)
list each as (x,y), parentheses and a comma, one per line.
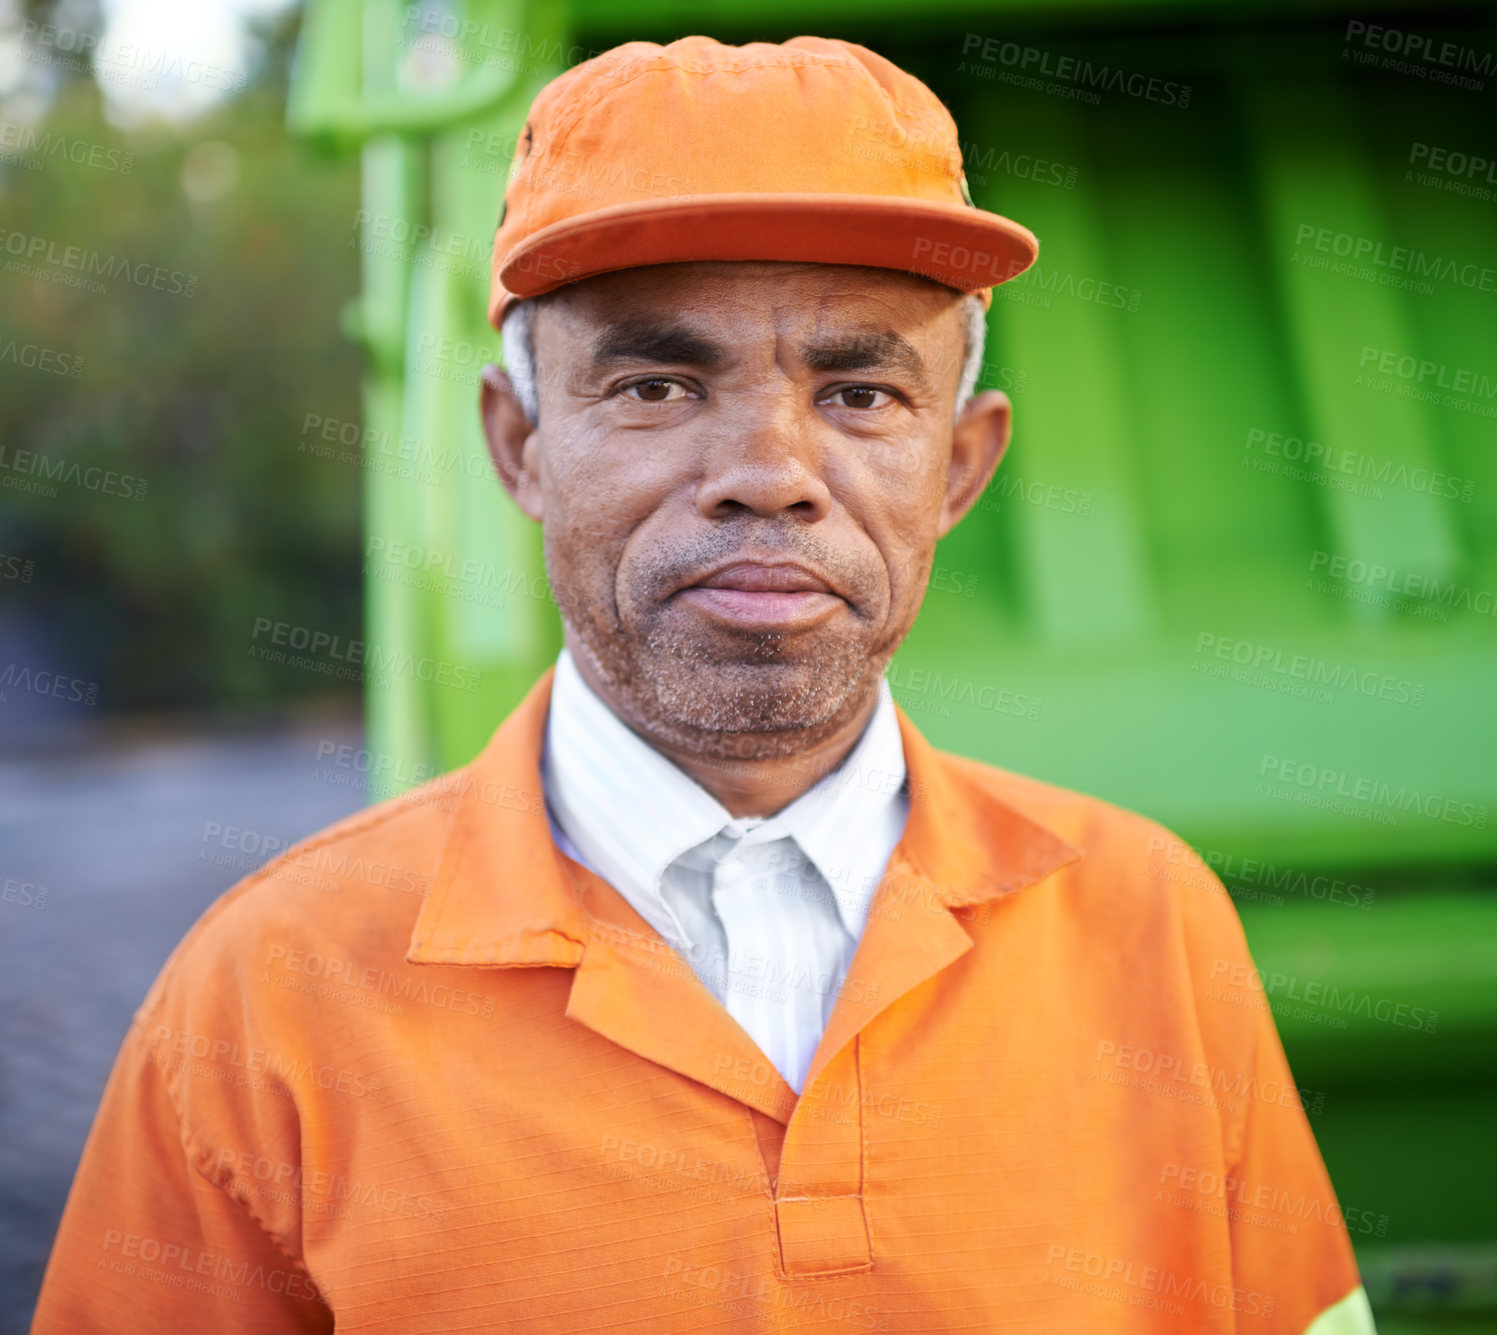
(195,384)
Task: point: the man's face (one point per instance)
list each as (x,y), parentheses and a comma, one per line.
(742,470)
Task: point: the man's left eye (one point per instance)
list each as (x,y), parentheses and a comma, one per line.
(861,396)
(655,390)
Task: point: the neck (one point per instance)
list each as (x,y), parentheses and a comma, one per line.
(763,787)
(760,786)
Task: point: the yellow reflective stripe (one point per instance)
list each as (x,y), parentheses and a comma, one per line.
(1351,1316)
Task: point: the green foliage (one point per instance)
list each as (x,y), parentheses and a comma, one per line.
(200,396)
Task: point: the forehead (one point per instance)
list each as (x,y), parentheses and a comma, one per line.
(745,301)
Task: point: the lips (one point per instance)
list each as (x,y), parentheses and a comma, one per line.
(764,596)
(756,577)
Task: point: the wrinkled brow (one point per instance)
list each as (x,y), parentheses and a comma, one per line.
(870,350)
(649,341)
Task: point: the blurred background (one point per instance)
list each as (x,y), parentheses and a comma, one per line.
(1238,571)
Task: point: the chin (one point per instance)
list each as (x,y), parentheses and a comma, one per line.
(737,700)
(734,695)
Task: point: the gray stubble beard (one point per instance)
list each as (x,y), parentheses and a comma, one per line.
(736,711)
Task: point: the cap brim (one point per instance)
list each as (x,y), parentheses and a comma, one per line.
(964,248)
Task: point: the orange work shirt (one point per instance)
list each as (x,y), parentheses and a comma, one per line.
(422,1073)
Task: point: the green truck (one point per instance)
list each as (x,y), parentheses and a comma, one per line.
(1239,569)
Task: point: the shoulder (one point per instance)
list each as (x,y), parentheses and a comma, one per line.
(355,886)
(1145,926)
(1131,866)
(1077,817)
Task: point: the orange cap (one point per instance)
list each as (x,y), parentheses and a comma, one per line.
(816,150)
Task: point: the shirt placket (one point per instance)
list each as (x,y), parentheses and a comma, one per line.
(819,1210)
(819,1215)
(821,1206)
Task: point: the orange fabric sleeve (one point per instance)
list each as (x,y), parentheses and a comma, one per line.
(1291,1255)
(1289,1236)
(149,1245)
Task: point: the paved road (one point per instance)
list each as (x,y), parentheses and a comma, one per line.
(123,839)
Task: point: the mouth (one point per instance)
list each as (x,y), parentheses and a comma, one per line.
(764,596)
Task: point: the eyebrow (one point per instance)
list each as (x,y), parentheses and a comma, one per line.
(869,350)
(640,340)
(648,341)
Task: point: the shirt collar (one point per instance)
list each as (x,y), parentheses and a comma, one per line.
(500,894)
(849,822)
(631,812)
(628,810)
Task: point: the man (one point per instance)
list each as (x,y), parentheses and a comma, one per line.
(709,995)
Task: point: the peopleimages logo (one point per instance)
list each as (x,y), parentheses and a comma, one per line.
(1421,370)
(127,63)
(1243,874)
(79,266)
(1409,583)
(1395,260)
(187,1267)
(1153,1280)
(27,470)
(1342,469)
(1035,63)
(1256,986)
(1240,1196)
(1184,1079)
(544,53)
(1451,171)
(246,1173)
(1325,782)
(1267,658)
(1453,162)
(34,357)
(18,568)
(22,677)
(1414,53)
(23,144)
(347,659)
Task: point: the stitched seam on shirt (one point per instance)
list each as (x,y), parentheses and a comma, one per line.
(603,929)
(968,773)
(826,1196)
(857,1075)
(769,1182)
(1235,1134)
(190,1143)
(196,1152)
(446,844)
(860,1076)
(1231,1123)
(618,934)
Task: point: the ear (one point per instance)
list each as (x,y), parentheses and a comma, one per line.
(512,440)
(978,442)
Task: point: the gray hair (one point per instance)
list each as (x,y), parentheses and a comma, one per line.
(518,334)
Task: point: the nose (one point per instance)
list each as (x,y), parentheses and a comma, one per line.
(765,460)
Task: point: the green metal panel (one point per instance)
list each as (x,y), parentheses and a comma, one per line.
(1082,581)
(458,620)
(1330,317)
(622,19)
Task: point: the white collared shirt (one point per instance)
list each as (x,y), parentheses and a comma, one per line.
(767,911)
